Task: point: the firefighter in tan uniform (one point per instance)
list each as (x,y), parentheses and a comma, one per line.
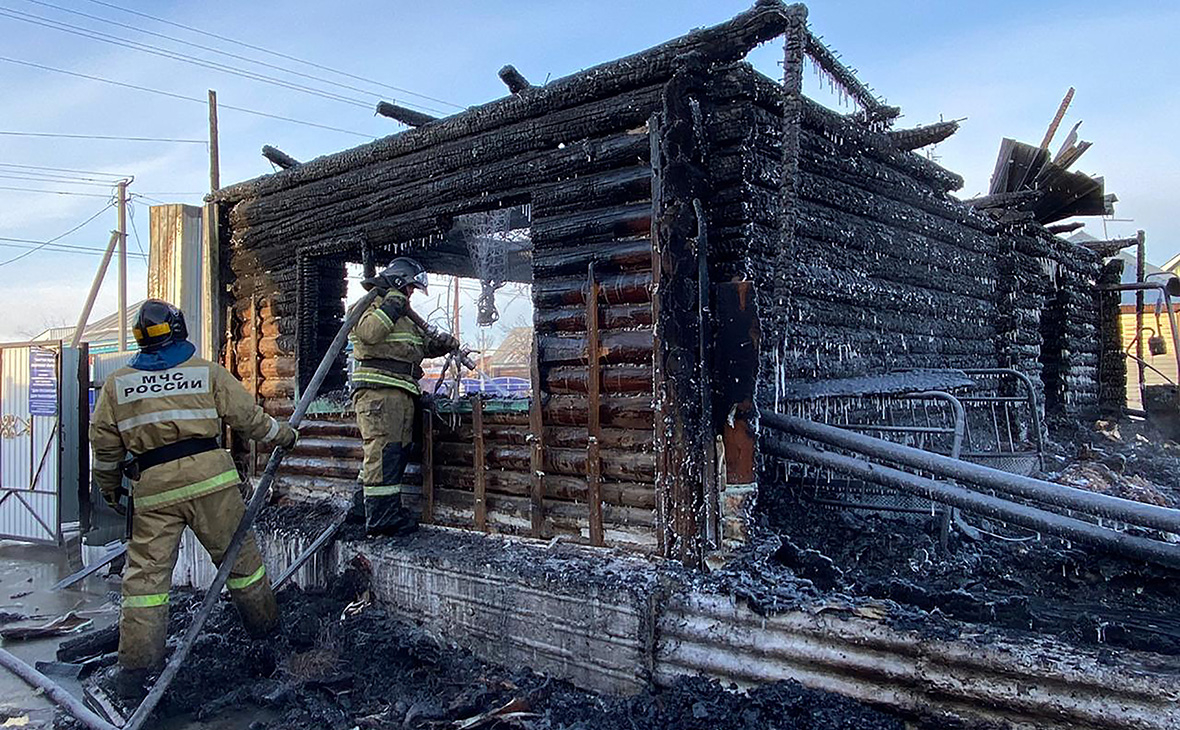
(389,347)
(165,410)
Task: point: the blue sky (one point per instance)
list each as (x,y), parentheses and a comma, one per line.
(1002,65)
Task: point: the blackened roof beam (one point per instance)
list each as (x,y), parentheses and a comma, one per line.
(874,109)
(923,136)
(278,157)
(513,79)
(406,116)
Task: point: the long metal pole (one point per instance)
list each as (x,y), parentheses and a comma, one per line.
(122,266)
(94,287)
(1140,277)
(214,154)
(1102,505)
(1155,551)
(54,692)
(144,711)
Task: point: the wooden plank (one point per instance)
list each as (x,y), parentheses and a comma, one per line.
(593,420)
(481,476)
(428,466)
(537,440)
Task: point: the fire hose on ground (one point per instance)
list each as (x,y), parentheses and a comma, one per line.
(973,475)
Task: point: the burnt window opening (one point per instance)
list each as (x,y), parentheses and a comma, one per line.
(479,287)
(320,294)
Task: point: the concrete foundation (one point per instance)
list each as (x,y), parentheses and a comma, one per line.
(613,622)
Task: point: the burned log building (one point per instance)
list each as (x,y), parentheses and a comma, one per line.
(703,243)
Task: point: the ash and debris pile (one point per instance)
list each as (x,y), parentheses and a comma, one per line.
(1010,578)
(342,663)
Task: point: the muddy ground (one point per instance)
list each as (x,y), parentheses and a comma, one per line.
(341,663)
(1010,578)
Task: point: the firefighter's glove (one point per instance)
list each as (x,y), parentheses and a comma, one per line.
(393,307)
(287,436)
(112,500)
(449,341)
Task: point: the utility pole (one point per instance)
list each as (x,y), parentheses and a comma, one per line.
(122,266)
(214,158)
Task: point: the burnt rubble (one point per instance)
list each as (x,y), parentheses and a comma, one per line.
(340,662)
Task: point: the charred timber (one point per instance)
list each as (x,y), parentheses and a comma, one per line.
(722,43)
(624,346)
(405,115)
(624,221)
(626,184)
(1005,200)
(278,157)
(557,487)
(619,289)
(413,210)
(923,136)
(513,79)
(826,60)
(616,379)
(571,437)
(636,467)
(608,258)
(817,118)
(584,124)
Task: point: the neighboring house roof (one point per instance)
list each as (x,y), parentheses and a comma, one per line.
(102,334)
(515,349)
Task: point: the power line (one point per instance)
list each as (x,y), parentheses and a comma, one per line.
(275,53)
(55,192)
(59,180)
(135,230)
(219,51)
(93,136)
(43,244)
(202,102)
(172,55)
(57,247)
(116,175)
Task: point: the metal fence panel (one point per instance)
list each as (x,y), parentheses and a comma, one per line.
(30,447)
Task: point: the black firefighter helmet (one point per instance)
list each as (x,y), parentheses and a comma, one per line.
(402,273)
(158,324)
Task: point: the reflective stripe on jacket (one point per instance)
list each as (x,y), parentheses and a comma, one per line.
(140,410)
(378,336)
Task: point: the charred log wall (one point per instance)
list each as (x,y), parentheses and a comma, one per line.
(886,270)
(584,168)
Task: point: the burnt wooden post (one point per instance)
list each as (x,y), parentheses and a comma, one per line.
(230,365)
(481,476)
(368,260)
(279,158)
(408,117)
(736,349)
(513,79)
(678,373)
(427,466)
(594,410)
(536,445)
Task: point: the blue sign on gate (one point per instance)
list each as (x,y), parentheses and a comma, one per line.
(42,382)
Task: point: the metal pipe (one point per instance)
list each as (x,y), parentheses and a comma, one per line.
(1125,510)
(1161,553)
(54,692)
(316,544)
(212,595)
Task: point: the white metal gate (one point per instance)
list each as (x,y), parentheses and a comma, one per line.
(40,440)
